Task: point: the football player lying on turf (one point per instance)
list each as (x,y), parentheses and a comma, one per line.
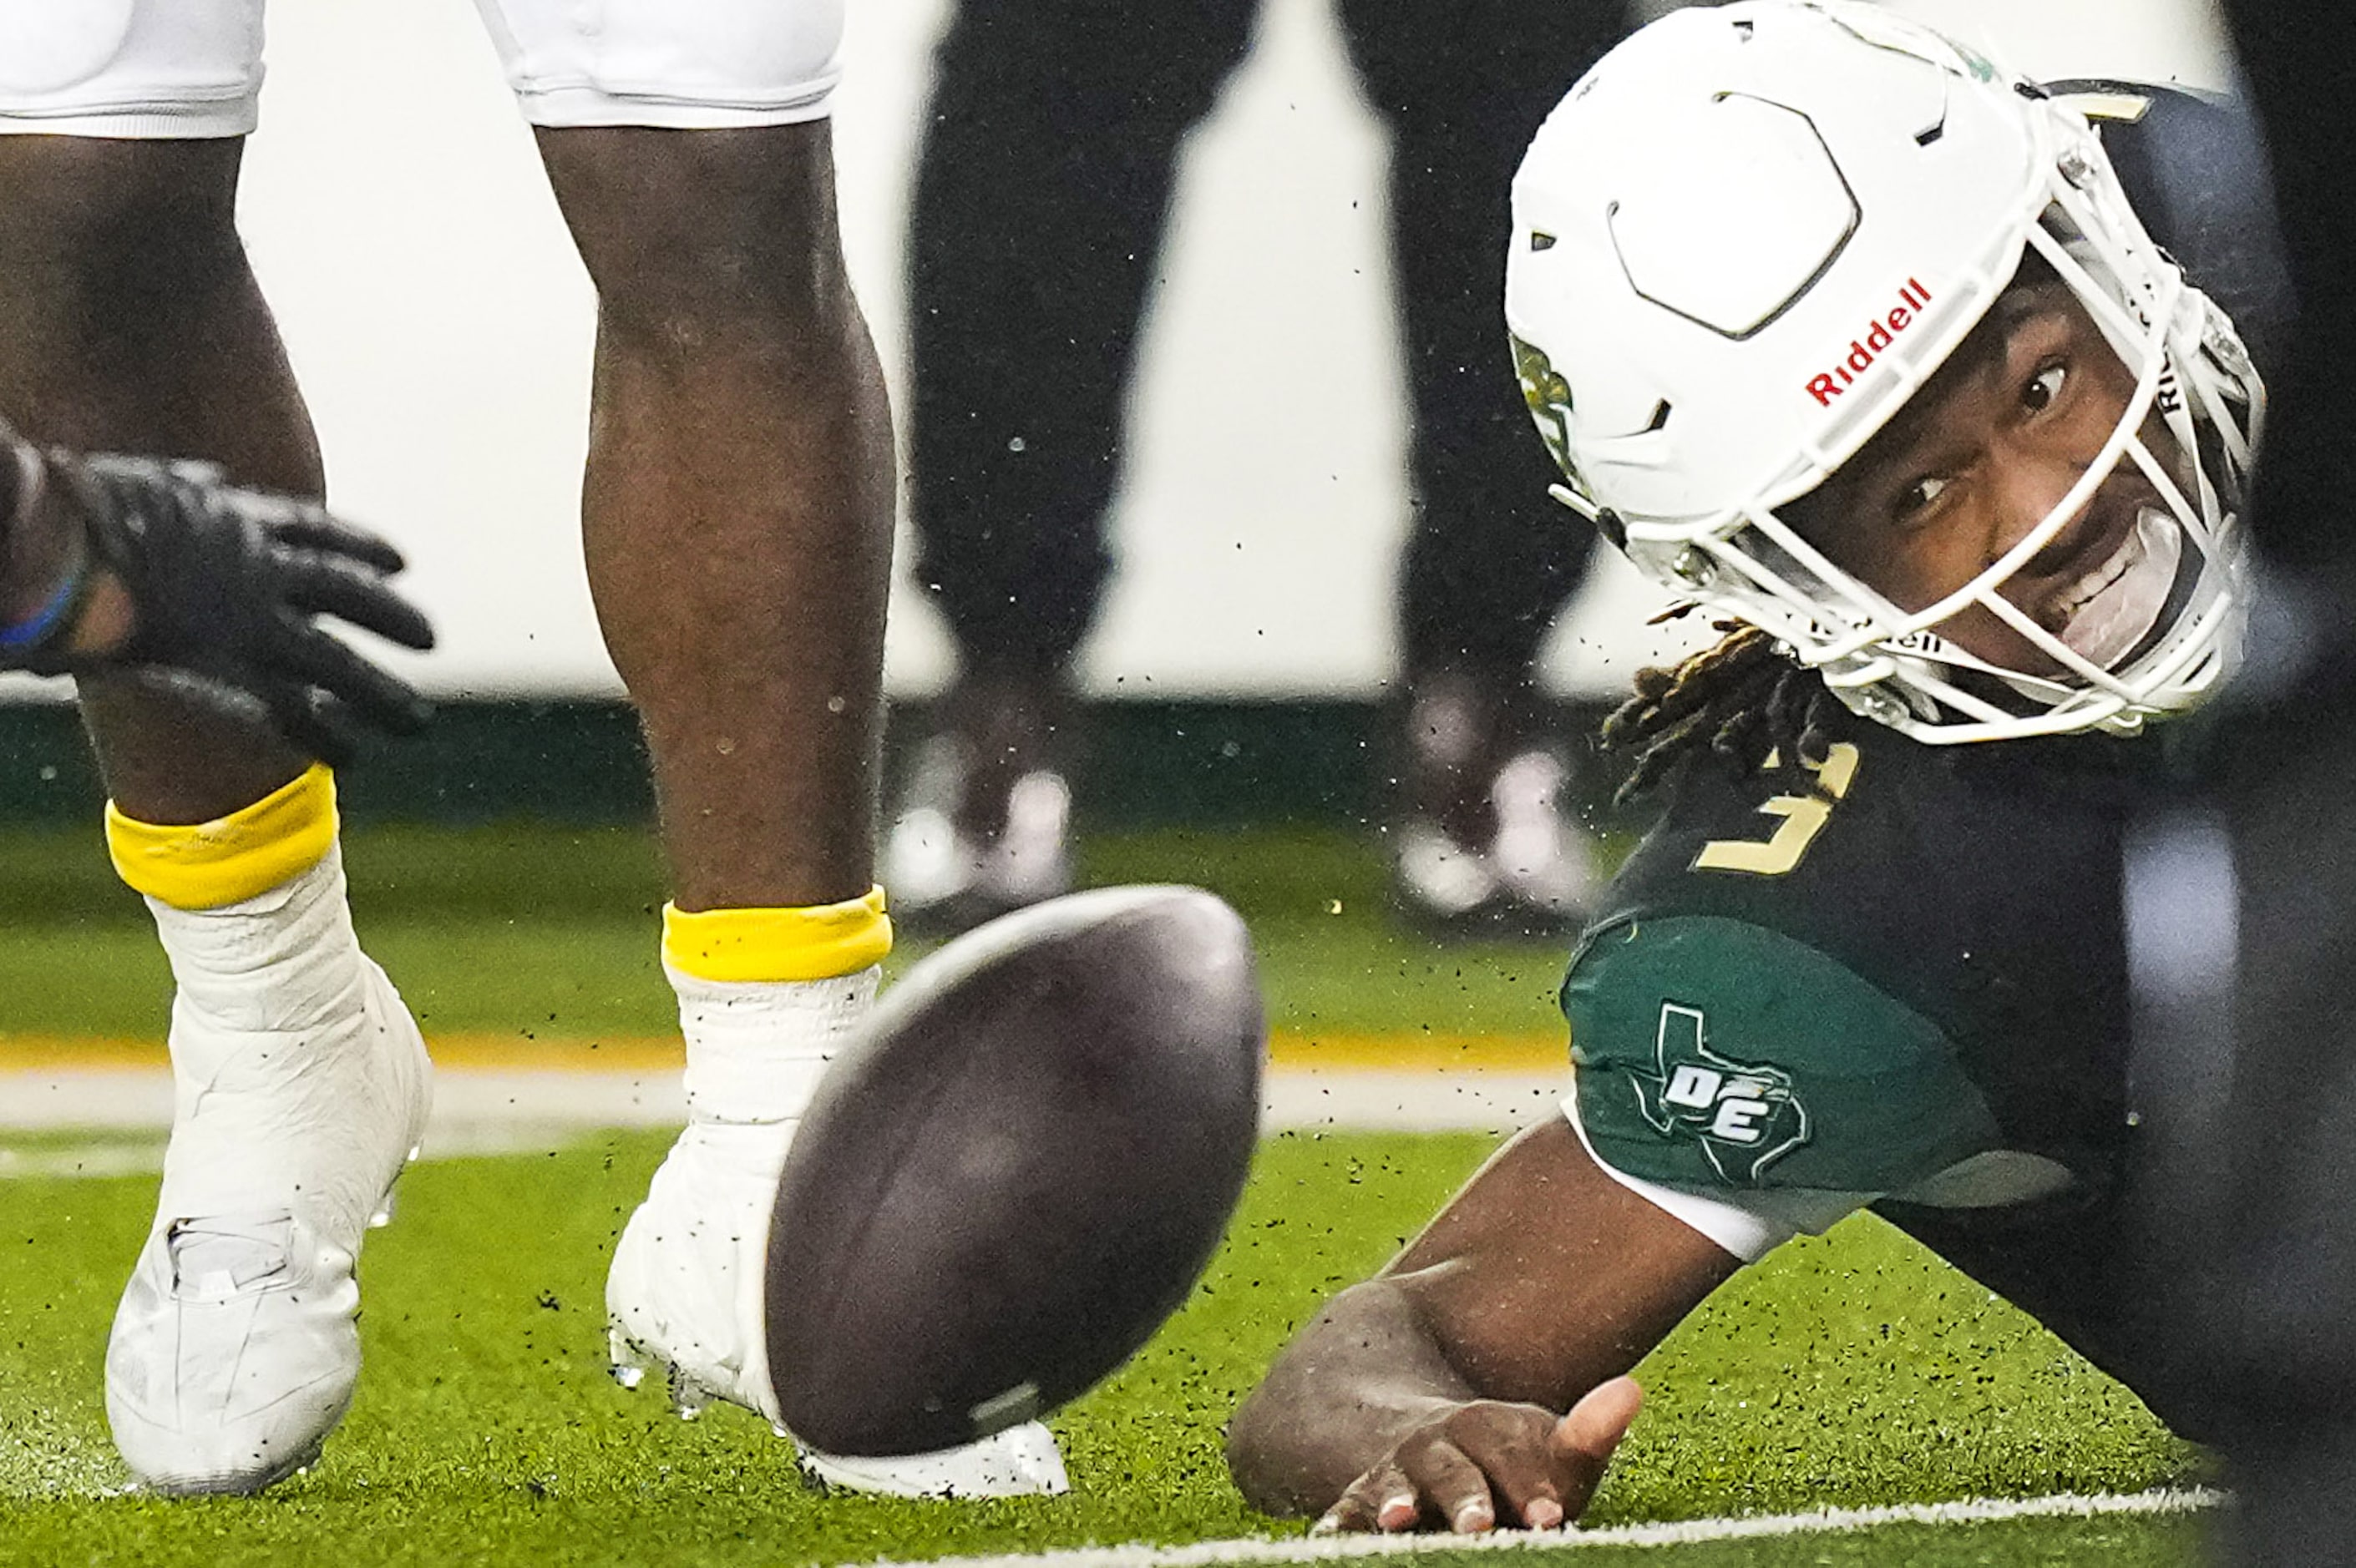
(215,592)
(1841,330)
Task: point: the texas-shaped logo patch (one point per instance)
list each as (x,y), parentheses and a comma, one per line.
(1745,1116)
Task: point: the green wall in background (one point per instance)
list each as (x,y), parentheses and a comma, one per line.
(1135,765)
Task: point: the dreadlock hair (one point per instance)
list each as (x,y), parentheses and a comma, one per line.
(1743,698)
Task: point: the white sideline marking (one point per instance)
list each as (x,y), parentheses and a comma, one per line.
(493,1112)
(89,1161)
(1261,1548)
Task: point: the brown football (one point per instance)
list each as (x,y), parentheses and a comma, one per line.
(1016,1171)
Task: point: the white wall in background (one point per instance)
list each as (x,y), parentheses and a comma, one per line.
(441,325)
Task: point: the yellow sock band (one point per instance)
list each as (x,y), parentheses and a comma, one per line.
(819,942)
(246,853)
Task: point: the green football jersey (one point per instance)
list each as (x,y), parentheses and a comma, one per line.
(1900,973)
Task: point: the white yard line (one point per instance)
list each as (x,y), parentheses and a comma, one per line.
(485,1112)
(1410,1101)
(1254,1549)
(138,1155)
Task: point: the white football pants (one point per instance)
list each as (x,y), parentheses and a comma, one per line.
(193,68)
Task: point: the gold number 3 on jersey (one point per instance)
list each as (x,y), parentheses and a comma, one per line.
(1803,815)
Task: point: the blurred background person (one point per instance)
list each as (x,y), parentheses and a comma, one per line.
(1041,194)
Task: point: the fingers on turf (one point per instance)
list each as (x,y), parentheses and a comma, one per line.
(1372,1502)
(1487,1464)
(1584,1441)
(1516,1454)
(1452,1485)
(1601,1418)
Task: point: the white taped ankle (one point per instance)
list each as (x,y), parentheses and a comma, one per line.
(282,960)
(756,1049)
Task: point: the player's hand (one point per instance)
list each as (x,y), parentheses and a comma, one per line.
(227,589)
(1488,1463)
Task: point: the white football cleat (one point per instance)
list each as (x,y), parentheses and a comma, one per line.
(300,1098)
(684,1295)
(686,1298)
(1019,1461)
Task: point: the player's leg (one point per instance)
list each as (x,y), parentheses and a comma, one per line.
(129,321)
(737,510)
(2276,1316)
(2276,1311)
(2252,1208)
(738,514)
(2077,1264)
(1043,187)
(128,306)
(1490,559)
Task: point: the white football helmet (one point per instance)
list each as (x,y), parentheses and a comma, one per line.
(1749,235)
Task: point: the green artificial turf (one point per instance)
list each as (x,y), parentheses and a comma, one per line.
(554,930)
(1852,1371)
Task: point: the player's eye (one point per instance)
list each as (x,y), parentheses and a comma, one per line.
(2044,388)
(1919,496)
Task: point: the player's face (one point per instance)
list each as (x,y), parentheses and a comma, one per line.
(1981,456)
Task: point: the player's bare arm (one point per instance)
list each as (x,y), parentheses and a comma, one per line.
(1477,1381)
(216,592)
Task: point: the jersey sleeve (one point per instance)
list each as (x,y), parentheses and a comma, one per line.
(1716,1058)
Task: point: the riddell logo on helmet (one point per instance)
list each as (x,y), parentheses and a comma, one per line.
(1879,337)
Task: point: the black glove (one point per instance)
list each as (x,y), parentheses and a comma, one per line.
(227,588)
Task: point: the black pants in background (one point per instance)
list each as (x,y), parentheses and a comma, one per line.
(1041,198)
